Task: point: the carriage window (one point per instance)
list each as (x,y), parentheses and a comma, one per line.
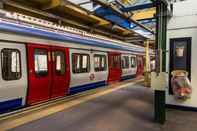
(80,63)
(10,62)
(125,62)
(60,62)
(76,63)
(40,62)
(84,61)
(116,62)
(133,62)
(99,63)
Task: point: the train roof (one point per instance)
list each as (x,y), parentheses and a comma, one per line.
(61,35)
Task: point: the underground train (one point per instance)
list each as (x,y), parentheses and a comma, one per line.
(39,63)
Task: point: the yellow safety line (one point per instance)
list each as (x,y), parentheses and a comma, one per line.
(20,120)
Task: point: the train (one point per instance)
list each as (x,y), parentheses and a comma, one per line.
(42,61)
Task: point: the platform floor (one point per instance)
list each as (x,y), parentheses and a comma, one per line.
(125,109)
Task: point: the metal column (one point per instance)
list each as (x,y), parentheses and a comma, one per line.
(160,46)
(147,65)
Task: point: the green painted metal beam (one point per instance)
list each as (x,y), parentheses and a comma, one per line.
(161,16)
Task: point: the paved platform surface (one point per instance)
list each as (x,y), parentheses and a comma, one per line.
(126,109)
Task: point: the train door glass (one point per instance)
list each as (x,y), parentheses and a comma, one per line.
(116,62)
(60,74)
(60,62)
(40,62)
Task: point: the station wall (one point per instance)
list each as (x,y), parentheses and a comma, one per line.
(183,24)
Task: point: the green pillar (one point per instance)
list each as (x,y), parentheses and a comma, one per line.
(160,46)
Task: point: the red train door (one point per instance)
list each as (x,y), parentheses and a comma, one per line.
(60,71)
(140,66)
(114,67)
(39,76)
(47,72)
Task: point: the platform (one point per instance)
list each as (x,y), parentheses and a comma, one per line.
(125,107)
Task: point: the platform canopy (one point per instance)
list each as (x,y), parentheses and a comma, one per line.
(141,11)
(131,21)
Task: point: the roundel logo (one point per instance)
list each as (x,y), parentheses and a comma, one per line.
(92,76)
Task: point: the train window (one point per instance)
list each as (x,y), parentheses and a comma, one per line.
(11,64)
(99,62)
(60,62)
(125,62)
(40,62)
(116,62)
(80,63)
(133,62)
(76,63)
(84,61)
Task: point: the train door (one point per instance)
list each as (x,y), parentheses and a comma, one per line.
(39,65)
(13,76)
(60,71)
(47,72)
(140,66)
(114,67)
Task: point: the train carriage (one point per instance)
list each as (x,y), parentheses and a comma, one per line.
(38,65)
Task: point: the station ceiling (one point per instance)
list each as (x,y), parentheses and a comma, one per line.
(132,21)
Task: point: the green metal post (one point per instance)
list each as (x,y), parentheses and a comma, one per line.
(159,97)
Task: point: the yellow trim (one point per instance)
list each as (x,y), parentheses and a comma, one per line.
(145,14)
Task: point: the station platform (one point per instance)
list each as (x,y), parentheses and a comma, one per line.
(125,106)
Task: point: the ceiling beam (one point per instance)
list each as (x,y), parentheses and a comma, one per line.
(86,2)
(122,15)
(130,41)
(101,21)
(138,7)
(58,18)
(132,38)
(52,4)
